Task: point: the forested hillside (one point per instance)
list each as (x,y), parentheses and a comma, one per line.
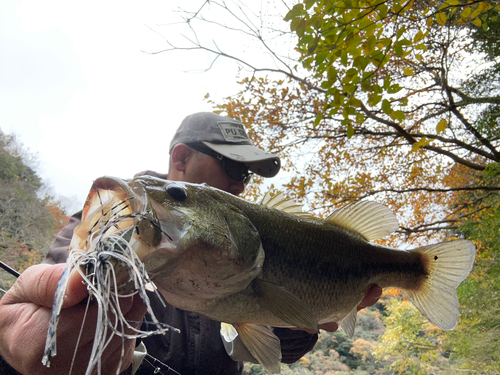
(28,218)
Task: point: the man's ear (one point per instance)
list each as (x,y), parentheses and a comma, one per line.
(179,156)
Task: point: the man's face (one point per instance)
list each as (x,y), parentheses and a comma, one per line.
(204,168)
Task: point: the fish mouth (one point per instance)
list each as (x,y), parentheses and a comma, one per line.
(122,208)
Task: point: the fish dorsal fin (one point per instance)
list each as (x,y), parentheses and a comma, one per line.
(371,220)
(279,202)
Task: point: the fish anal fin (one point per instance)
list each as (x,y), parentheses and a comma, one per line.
(447,264)
(372,220)
(263,344)
(279,202)
(349,322)
(285,305)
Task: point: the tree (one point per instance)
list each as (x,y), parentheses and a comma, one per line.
(378,100)
(410,340)
(476,338)
(394,100)
(27,220)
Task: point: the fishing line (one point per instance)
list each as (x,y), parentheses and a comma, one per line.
(10,270)
(156,363)
(79,336)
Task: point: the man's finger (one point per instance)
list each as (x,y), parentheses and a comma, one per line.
(38,285)
(371,297)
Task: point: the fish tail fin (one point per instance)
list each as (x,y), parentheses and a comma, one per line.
(447,265)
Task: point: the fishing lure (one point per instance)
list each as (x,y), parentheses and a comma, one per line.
(106,257)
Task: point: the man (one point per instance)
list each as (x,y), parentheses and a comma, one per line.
(206,148)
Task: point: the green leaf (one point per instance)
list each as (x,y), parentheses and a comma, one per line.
(350,130)
(399,50)
(377,89)
(332,73)
(299,26)
(386,106)
(371,42)
(387,81)
(385,41)
(318,119)
(392,89)
(355,102)
(400,32)
(382,11)
(421,46)
(343,58)
(297,10)
(348,110)
(374,99)
(321,56)
(441,18)
(398,115)
(309,3)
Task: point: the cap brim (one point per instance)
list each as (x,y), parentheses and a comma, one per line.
(260,162)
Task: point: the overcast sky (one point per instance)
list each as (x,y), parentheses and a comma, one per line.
(77,90)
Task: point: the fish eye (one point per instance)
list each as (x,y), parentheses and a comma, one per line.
(176,192)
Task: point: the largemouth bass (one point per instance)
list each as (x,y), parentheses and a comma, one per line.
(258,265)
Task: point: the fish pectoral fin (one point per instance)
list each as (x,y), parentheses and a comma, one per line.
(285,305)
(263,344)
(349,322)
(228,332)
(447,265)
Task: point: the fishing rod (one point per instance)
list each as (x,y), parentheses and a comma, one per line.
(10,270)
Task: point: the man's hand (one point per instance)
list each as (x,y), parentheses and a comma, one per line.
(25,312)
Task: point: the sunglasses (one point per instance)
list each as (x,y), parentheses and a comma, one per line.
(236,170)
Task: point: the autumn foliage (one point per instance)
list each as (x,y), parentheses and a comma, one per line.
(392,100)
(28,222)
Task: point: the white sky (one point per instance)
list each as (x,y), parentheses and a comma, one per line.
(77,90)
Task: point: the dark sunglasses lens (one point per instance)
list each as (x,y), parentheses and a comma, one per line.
(236,170)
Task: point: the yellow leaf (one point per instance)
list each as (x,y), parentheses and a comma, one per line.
(477,22)
(441,126)
(421,143)
(441,18)
(466,12)
(408,71)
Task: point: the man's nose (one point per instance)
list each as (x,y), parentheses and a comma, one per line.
(236,187)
